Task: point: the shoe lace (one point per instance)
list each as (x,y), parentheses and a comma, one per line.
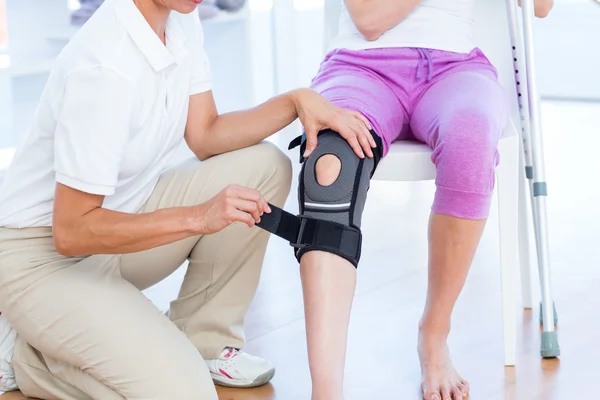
(230,352)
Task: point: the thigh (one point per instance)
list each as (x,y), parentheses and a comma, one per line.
(346,80)
(82,314)
(456,103)
(262,167)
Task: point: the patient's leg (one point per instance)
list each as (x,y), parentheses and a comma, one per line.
(328,283)
(350,80)
(461,117)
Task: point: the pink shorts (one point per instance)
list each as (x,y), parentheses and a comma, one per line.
(452,102)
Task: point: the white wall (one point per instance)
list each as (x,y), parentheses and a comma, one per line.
(568,51)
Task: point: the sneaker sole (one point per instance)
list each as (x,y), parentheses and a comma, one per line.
(259,381)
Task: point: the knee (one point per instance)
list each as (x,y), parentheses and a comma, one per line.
(470,138)
(327,169)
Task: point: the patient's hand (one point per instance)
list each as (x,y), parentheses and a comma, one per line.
(317,114)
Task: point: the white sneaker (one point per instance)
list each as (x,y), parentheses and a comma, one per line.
(8,336)
(235,368)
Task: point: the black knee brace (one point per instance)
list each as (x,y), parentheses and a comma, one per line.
(330,216)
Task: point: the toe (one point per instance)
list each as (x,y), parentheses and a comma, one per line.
(456,393)
(466,385)
(430,394)
(446,393)
(463,389)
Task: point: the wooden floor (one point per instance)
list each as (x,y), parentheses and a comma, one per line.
(382,362)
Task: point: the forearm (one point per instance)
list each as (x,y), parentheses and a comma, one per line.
(541,7)
(374,17)
(240,129)
(103,231)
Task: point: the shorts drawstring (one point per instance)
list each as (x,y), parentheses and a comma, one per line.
(424,54)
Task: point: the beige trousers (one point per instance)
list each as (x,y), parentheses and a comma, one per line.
(86,331)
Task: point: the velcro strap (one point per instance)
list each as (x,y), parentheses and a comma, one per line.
(299,141)
(305,233)
(296,142)
(281,223)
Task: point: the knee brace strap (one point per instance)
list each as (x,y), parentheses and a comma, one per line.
(317,234)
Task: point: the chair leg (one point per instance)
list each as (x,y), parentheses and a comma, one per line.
(524,236)
(508,205)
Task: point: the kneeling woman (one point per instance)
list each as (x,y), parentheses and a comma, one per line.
(90,216)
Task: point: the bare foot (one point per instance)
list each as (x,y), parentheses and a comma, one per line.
(440,379)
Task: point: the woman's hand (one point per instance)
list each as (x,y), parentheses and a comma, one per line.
(316,114)
(232,204)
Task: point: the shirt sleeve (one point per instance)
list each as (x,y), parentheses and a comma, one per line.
(201,72)
(92,130)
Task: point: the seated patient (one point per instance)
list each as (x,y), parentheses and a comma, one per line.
(412,69)
(91,213)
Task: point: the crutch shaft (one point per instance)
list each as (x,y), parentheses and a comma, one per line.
(539,178)
(523,104)
(519,69)
(531,134)
(533,95)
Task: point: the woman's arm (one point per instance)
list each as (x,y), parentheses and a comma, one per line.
(542,7)
(207,133)
(81,226)
(374,17)
(91,135)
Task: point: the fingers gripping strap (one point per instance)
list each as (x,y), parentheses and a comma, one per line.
(305,232)
(301,141)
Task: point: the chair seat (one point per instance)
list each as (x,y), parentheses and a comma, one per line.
(411,161)
(406,161)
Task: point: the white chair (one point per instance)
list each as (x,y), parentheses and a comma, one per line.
(411,161)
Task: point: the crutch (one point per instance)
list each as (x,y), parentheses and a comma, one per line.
(531,134)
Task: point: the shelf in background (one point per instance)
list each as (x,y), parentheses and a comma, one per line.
(60,35)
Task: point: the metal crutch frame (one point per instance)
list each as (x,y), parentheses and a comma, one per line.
(531,135)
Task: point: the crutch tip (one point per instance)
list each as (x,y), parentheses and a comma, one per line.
(550,347)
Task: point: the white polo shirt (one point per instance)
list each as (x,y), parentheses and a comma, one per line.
(112,115)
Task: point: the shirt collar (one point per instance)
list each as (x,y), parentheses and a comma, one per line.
(158,55)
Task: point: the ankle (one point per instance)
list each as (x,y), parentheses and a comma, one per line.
(327,390)
(327,395)
(433,327)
